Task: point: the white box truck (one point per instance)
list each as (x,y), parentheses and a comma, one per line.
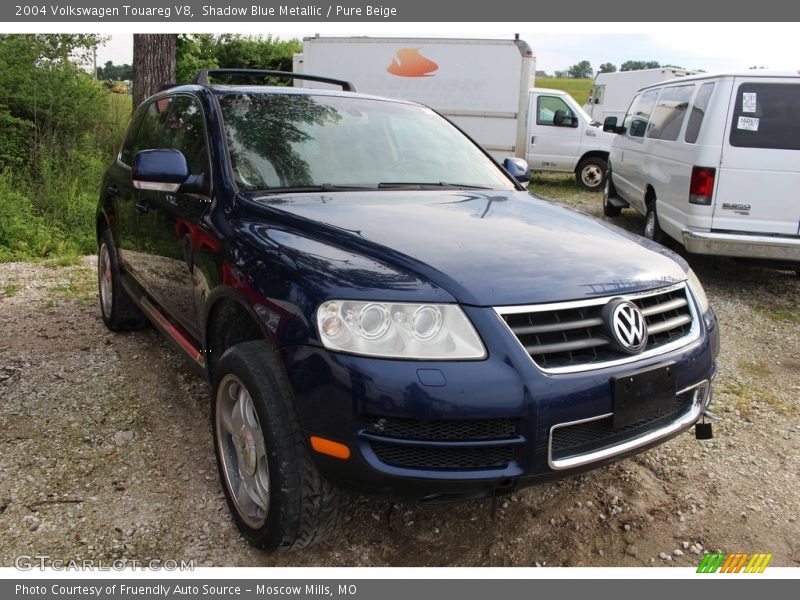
(482,85)
(612,93)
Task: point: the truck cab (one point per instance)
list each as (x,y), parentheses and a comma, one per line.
(563,137)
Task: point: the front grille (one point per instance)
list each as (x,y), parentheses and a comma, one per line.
(427,457)
(572,335)
(452,444)
(584,438)
(440,429)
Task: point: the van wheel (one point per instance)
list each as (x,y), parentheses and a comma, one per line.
(277,497)
(591,173)
(609,191)
(118,310)
(652,230)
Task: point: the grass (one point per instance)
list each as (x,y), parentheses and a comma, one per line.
(10,289)
(577,88)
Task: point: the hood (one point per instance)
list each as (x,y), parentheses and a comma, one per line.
(485,248)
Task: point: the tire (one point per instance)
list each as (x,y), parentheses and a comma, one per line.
(652,230)
(609,191)
(118,310)
(591,173)
(277,497)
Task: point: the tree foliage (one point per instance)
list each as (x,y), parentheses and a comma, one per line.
(59,130)
(115,72)
(608,68)
(581,70)
(206,51)
(638,65)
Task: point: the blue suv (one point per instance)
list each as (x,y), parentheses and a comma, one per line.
(380,307)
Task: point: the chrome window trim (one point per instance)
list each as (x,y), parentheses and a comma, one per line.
(701,400)
(691,337)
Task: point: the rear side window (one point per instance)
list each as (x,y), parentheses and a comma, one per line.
(668,114)
(767,115)
(698,112)
(639,113)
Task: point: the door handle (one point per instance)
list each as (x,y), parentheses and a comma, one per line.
(533,140)
(112,191)
(142,207)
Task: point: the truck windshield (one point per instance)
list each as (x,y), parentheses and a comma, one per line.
(285,140)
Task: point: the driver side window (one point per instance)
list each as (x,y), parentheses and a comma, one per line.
(553,111)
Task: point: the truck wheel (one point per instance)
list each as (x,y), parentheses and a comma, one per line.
(652,230)
(277,498)
(118,310)
(591,173)
(609,191)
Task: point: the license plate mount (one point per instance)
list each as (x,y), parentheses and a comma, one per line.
(643,394)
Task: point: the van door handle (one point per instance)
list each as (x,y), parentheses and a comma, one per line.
(142,207)
(533,140)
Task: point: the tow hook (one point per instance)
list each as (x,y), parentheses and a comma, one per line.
(702,430)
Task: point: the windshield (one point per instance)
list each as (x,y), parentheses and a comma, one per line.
(285,140)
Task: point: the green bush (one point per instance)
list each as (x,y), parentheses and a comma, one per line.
(60,131)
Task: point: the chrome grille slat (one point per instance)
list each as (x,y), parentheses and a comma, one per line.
(551,327)
(672,323)
(567,346)
(571,336)
(666,306)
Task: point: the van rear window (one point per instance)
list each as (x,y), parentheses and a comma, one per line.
(767,115)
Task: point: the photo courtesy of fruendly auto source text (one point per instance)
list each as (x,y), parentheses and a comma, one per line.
(370,300)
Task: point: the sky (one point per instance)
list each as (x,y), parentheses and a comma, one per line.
(711,47)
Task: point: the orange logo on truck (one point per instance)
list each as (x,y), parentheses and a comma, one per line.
(410,63)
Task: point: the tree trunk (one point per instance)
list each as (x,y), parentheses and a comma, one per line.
(153,64)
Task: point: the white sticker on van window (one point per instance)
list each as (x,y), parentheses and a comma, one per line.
(748,102)
(748,123)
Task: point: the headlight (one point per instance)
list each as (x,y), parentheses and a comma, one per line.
(698,292)
(398,330)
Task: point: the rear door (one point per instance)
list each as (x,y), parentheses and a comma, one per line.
(758,188)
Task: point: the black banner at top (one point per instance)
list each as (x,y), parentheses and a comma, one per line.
(510,11)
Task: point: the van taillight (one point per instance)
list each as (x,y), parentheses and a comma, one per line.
(702,185)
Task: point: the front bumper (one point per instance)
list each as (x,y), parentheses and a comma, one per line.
(437,430)
(742,245)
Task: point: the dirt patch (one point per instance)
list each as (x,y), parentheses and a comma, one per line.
(105,450)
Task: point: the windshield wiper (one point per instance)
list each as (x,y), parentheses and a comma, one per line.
(310,189)
(399,185)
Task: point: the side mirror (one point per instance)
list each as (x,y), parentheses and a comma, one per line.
(610,125)
(558,117)
(518,168)
(162,170)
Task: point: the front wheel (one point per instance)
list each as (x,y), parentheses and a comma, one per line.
(277,498)
(609,191)
(591,173)
(652,230)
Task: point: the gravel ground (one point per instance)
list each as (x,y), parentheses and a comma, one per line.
(105,450)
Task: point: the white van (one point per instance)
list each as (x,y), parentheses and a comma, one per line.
(713,161)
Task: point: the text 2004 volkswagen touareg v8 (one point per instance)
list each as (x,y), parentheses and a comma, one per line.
(381,307)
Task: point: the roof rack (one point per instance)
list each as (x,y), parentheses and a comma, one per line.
(202,76)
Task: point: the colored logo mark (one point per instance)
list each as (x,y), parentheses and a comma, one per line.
(739,562)
(410,63)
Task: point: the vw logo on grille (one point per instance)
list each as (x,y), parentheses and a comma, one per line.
(627,326)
